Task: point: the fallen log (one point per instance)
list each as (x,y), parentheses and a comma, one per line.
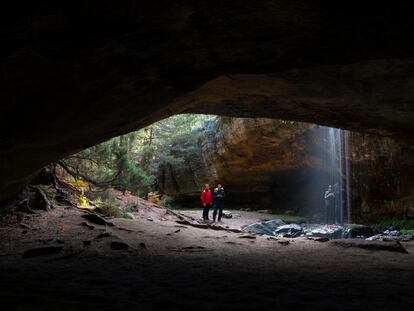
(206,226)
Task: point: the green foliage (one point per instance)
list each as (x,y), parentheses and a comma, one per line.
(388,222)
(98,202)
(113,211)
(166,201)
(131,206)
(130,162)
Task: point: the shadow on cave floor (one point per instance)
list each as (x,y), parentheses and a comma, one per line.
(161,265)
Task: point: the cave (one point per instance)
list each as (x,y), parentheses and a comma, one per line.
(77,73)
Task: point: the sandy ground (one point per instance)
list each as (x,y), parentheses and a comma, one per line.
(173,267)
(238,220)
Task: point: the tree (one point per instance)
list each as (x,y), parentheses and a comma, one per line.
(130,161)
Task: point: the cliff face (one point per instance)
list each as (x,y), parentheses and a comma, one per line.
(382,177)
(270,164)
(75,73)
(260,162)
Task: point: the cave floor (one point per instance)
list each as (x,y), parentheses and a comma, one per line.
(168,266)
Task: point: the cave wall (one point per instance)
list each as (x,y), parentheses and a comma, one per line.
(75,73)
(382,173)
(279,165)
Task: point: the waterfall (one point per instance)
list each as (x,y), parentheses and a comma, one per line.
(335,144)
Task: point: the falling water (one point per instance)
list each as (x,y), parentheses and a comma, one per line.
(336,162)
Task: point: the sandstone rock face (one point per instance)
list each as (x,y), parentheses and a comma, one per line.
(261,163)
(75,73)
(279,165)
(382,177)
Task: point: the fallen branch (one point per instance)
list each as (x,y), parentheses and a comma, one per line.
(76,175)
(206,226)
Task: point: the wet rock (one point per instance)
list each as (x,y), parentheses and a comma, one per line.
(291,231)
(266,227)
(118,245)
(326,231)
(393,235)
(358,231)
(42,251)
(392,232)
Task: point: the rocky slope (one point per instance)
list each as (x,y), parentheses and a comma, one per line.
(279,165)
(75,73)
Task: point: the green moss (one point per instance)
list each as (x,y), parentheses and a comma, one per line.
(402,223)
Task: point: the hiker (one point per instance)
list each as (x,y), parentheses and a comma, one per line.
(207,200)
(329,205)
(219,196)
(338,205)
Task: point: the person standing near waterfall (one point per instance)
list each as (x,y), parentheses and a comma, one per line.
(206,200)
(219,196)
(329,206)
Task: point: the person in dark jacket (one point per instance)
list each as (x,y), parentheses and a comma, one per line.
(329,206)
(219,196)
(206,200)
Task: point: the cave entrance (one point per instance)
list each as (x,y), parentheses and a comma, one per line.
(297,172)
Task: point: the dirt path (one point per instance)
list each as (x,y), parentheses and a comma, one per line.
(167,266)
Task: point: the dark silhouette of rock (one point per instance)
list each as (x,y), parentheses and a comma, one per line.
(71,68)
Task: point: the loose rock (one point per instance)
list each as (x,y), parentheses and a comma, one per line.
(291,231)
(266,227)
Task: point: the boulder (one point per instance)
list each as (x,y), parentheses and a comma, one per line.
(326,231)
(359,231)
(288,231)
(267,227)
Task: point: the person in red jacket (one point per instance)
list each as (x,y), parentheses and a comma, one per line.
(207,200)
